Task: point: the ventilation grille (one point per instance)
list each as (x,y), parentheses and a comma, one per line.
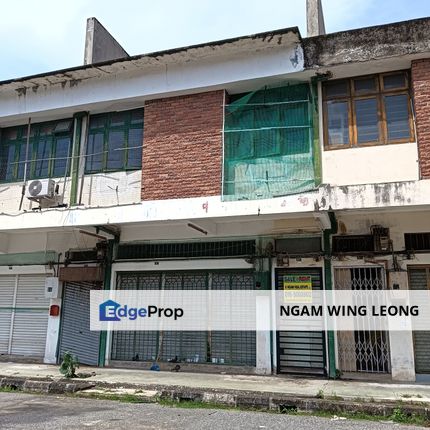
(81,255)
(417,241)
(353,243)
(302,245)
(186,250)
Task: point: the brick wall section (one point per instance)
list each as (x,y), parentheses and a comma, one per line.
(182,149)
(421,93)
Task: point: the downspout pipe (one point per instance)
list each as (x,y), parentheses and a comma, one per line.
(328,282)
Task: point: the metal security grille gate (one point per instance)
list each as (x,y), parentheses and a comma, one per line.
(217,347)
(419,279)
(23,315)
(76,336)
(299,351)
(362,350)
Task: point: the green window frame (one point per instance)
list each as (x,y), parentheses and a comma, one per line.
(115,142)
(49,150)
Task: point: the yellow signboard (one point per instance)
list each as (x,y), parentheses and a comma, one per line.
(297,288)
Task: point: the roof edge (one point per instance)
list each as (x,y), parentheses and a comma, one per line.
(262,35)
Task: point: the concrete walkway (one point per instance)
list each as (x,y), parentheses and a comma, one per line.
(300,387)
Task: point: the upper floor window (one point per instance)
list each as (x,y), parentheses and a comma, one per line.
(47,155)
(115,142)
(367,110)
(268,143)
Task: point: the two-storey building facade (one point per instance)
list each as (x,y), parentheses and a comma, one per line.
(221,166)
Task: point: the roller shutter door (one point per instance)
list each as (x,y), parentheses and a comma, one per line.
(233,348)
(76,336)
(301,352)
(23,315)
(419,279)
(7,292)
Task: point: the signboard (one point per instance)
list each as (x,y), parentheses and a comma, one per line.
(297,288)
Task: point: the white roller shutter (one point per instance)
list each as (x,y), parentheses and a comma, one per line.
(30,321)
(7,290)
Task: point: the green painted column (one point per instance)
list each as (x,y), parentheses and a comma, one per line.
(328,281)
(106,286)
(76,150)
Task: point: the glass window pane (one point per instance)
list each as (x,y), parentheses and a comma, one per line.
(10,134)
(21,160)
(32,131)
(366,85)
(7,162)
(94,162)
(134,152)
(97,121)
(137,116)
(62,150)
(117,118)
(336,88)
(337,123)
(63,126)
(41,163)
(366,117)
(116,150)
(397,116)
(394,81)
(45,130)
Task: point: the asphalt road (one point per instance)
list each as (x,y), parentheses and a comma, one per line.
(28,411)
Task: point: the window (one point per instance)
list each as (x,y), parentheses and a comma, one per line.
(115,142)
(268,143)
(417,241)
(368,110)
(47,155)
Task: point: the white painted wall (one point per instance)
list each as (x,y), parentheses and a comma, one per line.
(117,188)
(186,76)
(101,189)
(370,164)
(398,223)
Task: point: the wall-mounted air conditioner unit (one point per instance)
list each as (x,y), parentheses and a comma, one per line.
(39,189)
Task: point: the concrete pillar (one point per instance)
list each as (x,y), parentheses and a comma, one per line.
(314,18)
(52,335)
(401,342)
(402,356)
(263,310)
(100,45)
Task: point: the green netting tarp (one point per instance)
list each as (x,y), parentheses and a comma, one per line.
(28,258)
(268,144)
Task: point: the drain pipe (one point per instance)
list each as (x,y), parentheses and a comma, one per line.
(328,282)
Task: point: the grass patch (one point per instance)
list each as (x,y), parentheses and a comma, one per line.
(9,389)
(399,416)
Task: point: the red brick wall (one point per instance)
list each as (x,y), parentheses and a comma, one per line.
(421,93)
(182,149)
